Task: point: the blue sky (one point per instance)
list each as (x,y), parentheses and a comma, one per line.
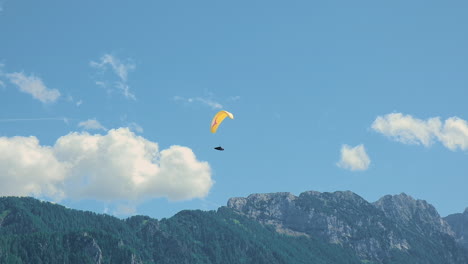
(106,105)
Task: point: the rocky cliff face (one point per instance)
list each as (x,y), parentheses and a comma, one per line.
(459,225)
(416,214)
(377,232)
(340,218)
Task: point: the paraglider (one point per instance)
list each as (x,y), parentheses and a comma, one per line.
(217,120)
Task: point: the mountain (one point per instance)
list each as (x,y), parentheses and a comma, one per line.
(418,215)
(37,232)
(314,227)
(459,225)
(395,229)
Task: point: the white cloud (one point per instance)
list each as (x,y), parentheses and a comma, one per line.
(116,166)
(33,86)
(355,159)
(205,101)
(452,133)
(406,129)
(91,124)
(26,168)
(120,69)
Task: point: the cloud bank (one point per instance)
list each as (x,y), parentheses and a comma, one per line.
(116,166)
(452,133)
(34,86)
(354,159)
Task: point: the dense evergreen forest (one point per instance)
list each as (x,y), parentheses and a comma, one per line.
(32,231)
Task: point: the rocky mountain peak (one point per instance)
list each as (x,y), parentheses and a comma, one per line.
(373,230)
(268,208)
(400,206)
(336,217)
(275,203)
(406,210)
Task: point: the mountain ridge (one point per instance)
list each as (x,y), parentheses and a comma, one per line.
(318,227)
(373,230)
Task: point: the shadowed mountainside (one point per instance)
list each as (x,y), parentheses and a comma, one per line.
(459,225)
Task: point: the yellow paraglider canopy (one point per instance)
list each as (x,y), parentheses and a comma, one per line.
(218,118)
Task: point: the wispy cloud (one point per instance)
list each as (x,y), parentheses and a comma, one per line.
(34,86)
(125,90)
(64,119)
(205,101)
(234,98)
(120,69)
(101,83)
(452,133)
(73,101)
(354,158)
(115,166)
(135,127)
(91,124)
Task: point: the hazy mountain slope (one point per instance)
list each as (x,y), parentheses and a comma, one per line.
(459,225)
